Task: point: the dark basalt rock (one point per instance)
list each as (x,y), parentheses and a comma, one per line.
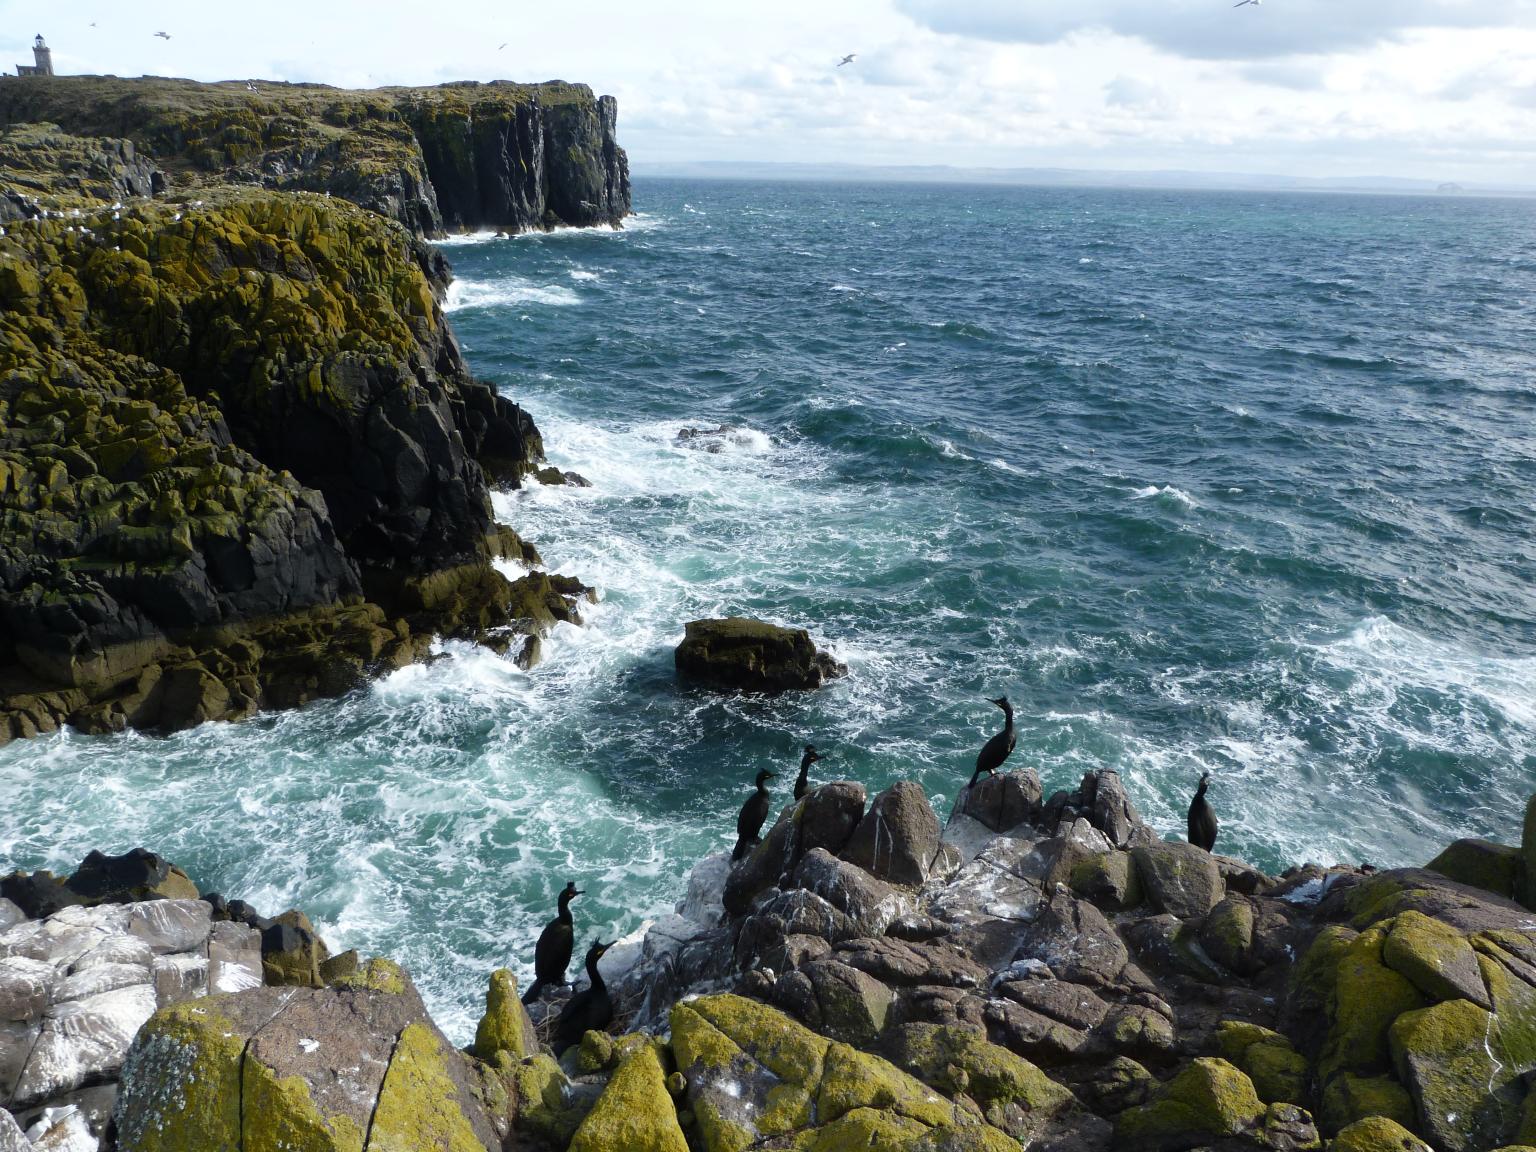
(743,655)
(1002,802)
(898,837)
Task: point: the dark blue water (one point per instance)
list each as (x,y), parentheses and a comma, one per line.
(1234,482)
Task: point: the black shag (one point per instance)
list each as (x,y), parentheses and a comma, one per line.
(1000,747)
(552,954)
(802,782)
(1202,821)
(753,813)
(590,1010)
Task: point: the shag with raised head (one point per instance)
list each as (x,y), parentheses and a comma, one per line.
(590,1010)
(1000,747)
(750,823)
(1202,820)
(802,781)
(552,954)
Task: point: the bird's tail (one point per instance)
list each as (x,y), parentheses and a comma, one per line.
(742,845)
(533,991)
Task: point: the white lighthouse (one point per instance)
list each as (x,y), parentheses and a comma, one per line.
(43,56)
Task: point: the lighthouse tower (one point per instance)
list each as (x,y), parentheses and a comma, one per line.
(42,55)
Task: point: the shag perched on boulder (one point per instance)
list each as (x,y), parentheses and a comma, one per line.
(552,954)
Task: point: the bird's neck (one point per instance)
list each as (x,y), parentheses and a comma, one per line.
(594,975)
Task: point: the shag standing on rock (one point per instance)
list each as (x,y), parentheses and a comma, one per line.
(552,954)
(1000,747)
(590,1010)
(753,813)
(1202,821)
(802,782)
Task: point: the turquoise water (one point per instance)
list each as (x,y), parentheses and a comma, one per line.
(1232,482)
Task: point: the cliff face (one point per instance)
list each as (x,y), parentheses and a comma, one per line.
(459,156)
(242,461)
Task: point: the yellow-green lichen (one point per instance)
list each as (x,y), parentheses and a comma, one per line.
(181,1083)
(501,1028)
(1210,1099)
(419,1105)
(279,1115)
(634,1113)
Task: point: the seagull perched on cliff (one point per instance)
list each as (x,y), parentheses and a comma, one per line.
(852,56)
(163,35)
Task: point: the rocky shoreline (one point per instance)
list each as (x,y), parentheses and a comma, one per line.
(1035,972)
(243,464)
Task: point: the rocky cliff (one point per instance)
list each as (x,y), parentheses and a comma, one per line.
(1037,973)
(242,461)
(512,157)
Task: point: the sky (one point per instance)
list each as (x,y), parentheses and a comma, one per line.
(1443,90)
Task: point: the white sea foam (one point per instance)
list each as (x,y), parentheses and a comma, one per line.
(582,274)
(506,292)
(1167,494)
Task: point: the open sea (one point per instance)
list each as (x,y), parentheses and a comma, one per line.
(1237,482)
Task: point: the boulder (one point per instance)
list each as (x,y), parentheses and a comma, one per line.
(1348,1098)
(743,655)
(1075,940)
(1014,1094)
(505,1027)
(82,1041)
(898,837)
(850,1005)
(1377,1134)
(1112,812)
(134,876)
(1436,958)
(37,895)
(1179,878)
(825,818)
(1278,1071)
(1208,1101)
(906,964)
(1108,879)
(1226,934)
(262,1069)
(1366,998)
(1001,802)
(635,1111)
(871,904)
(291,955)
(1466,1096)
(1481,864)
(12,1138)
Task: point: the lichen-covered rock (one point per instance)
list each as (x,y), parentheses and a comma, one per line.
(635,1113)
(1108,879)
(1348,1098)
(1377,1134)
(1226,934)
(1013,1093)
(1480,863)
(898,837)
(1179,878)
(742,655)
(1278,1071)
(1435,957)
(1208,1101)
(1465,1095)
(505,1027)
(1367,998)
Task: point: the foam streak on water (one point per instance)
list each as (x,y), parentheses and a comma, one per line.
(1202,481)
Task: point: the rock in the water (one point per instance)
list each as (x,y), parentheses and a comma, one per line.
(37,894)
(1179,878)
(134,876)
(1001,802)
(898,837)
(742,655)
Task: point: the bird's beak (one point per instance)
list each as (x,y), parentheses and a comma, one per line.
(579,892)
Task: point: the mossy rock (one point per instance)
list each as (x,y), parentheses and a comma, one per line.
(954,1059)
(505,1027)
(970,1138)
(379,974)
(1348,1098)
(280,1115)
(1278,1071)
(1367,997)
(1108,880)
(863,1128)
(420,1105)
(1464,1095)
(545,1107)
(180,1088)
(635,1112)
(852,1079)
(1481,864)
(1438,959)
(1209,1100)
(1377,1134)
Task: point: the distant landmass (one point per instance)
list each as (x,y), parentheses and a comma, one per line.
(1066,177)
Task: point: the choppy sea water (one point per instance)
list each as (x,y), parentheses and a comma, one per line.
(1233,482)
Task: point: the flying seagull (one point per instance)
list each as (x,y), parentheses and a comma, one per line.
(1245,3)
(502,45)
(163,35)
(852,56)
